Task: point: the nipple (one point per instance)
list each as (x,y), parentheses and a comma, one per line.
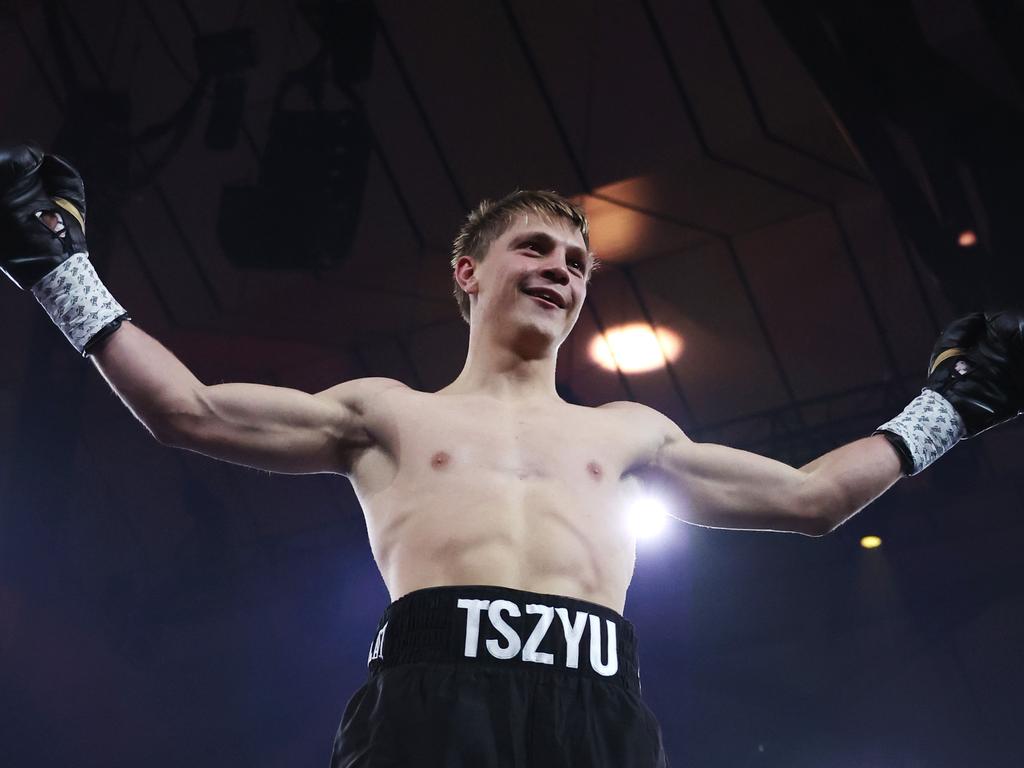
(594,470)
(440,460)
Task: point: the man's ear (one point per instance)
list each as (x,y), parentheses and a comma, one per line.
(465,274)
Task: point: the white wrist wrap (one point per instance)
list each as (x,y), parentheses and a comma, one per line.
(929,427)
(77,302)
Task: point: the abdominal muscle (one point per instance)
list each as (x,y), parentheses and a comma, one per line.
(475,526)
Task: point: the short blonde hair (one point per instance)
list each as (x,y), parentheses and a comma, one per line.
(491,219)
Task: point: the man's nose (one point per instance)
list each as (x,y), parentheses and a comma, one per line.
(556,270)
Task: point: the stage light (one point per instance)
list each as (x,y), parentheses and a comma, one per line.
(871,542)
(647,517)
(635,348)
(967,238)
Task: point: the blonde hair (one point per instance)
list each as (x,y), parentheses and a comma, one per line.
(490,220)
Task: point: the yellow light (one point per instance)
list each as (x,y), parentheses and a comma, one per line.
(871,542)
(635,348)
(967,238)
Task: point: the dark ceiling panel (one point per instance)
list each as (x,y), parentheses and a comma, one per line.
(380,354)
(810,301)
(961,33)
(563,39)
(725,369)
(476,88)
(416,164)
(35,98)
(791,172)
(897,286)
(791,103)
(701,61)
(618,128)
(179,241)
(384,257)
(711,74)
(24,88)
(621,235)
(708,196)
(438,352)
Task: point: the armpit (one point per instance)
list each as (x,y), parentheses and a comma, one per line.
(647,431)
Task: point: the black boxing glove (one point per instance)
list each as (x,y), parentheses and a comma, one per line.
(30,248)
(43,246)
(975,381)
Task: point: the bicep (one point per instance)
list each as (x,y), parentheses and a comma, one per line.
(722,487)
(274,428)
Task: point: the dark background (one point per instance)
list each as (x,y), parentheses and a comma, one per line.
(272,189)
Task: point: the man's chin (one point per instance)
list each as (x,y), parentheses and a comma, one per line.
(537,330)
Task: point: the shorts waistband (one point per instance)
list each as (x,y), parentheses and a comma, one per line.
(505,627)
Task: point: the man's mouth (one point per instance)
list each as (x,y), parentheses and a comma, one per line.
(545,302)
(545,297)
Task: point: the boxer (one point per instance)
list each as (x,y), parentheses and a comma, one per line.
(496,511)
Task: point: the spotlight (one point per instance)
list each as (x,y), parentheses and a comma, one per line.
(648,517)
(635,348)
(871,542)
(967,238)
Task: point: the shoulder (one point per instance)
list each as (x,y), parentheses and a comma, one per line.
(358,393)
(644,433)
(645,420)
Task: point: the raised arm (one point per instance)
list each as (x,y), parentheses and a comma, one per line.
(975,381)
(43,249)
(272,428)
(721,487)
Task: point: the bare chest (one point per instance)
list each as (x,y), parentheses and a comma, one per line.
(426,440)
(467,491)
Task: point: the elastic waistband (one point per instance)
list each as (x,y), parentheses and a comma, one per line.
(504,627)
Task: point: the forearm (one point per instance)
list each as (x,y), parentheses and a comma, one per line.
(147,377)
(850,477)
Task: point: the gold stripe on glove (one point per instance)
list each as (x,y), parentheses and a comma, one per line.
(951,352)
(68,206)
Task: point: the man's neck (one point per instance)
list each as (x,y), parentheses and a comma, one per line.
(501,374)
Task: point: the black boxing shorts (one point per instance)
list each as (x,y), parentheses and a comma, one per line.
(488,677)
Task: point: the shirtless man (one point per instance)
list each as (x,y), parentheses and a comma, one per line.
(496,511)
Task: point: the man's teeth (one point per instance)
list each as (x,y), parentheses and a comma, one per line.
(542,297)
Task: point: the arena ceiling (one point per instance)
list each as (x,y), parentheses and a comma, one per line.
(730,200)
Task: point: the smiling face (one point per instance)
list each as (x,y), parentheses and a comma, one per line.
(532,280)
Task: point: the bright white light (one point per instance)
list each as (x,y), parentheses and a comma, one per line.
(635,348)
(647,517)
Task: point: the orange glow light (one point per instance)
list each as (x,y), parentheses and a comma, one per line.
(635,348)
(967,238)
